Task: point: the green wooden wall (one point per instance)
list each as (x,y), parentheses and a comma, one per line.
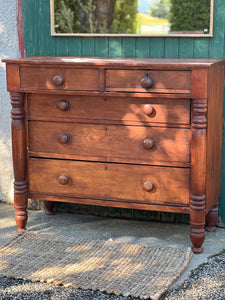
(38,41)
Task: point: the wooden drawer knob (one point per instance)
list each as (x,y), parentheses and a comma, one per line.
(63,179)
(148,109)
(57,80)
(148,143)
(63,138)
(63,105)
(146,82)
(148,185)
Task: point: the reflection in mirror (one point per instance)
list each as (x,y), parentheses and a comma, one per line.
(132,17)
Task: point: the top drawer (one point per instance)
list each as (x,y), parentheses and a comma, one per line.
(59,79)
(148,81)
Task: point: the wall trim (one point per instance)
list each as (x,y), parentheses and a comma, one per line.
(20,28)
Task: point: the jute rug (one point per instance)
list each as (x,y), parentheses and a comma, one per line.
(122,269)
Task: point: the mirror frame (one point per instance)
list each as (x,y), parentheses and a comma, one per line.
(53,33)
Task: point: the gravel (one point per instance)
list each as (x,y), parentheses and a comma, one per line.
(25,289)
(205,282)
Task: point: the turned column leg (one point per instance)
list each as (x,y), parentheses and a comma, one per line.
(19,159)
(198,173)
(197,222)
(49,207)
(212,218)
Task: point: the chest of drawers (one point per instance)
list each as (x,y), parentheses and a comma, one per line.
(133,133)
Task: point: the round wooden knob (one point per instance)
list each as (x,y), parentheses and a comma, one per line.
(146,82)
(63,179)
(148,143)
(57,80)
(63,105)
(148,185)
(63,138)
(148,109)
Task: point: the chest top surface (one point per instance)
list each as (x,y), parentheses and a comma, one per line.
(110,61)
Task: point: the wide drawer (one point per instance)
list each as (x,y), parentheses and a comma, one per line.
(154,110)
(111,142)
(135,80)
(109,181)
(59,79)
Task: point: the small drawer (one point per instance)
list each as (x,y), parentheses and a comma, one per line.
(138,110)
(59,79)
(130,183)
(148,81)
(135,144)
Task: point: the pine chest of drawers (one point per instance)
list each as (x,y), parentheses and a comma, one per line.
(134,133)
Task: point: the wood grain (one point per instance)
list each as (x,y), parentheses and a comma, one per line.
(111,181)
(124,109)
(19,159)
(163,81)
(143,63)
(174,208)
(110,141)
(13,77)
(74,79)
(214,141)
(92,133)
(198,174)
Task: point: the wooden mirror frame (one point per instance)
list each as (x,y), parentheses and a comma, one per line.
(53,33)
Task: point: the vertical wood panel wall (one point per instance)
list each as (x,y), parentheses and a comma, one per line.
(38,41)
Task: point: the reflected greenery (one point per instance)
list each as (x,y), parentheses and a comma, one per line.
(131,16)
(186,15)
(96,16)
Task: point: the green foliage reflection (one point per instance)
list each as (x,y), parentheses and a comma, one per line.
(96,16)
(190,15)
(128,16)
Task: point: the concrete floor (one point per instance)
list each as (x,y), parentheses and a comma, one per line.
(152,234)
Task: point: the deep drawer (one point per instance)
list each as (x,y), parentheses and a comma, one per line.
(135,80)
(109,181)
(170,111)
(59,79)
(111,142)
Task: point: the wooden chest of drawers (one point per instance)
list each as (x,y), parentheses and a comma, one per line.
(134,133)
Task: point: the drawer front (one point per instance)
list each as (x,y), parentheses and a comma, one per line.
(111,142)
(59,79)
(109,181)
(137,80)
(170,111)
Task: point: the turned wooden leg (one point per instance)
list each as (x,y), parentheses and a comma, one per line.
(198,173)
(197,237)
(49,207)
(212,218)
(19,159)
(20,204)
(197,222)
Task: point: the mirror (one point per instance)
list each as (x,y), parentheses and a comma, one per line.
(132,18)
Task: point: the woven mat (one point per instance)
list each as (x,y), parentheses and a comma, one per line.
(122,269)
